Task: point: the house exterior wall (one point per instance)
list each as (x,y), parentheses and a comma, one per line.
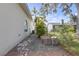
(50,27)
(12,19)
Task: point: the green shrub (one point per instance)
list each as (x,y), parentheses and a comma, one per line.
(40,26)
(64,33)
(66,36)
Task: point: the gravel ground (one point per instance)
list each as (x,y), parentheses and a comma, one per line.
(32,46)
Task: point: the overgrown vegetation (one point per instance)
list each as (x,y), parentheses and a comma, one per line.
(66,36)
(64,33)
(40,26)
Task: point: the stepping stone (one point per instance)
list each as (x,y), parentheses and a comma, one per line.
(19,49)
(29,40)
(25,49)
(23,53)
(22,49)
(25,43)
(19,45)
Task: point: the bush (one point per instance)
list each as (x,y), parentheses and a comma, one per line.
(66,37)
(64,33)
(40,26)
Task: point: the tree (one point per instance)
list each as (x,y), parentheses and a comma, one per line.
(34,11)
(52,7)
(37,13)
(48,8)
(40,26)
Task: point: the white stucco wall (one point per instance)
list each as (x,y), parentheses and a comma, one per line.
(12,20)
(50,27)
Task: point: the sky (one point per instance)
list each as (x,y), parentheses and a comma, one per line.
(53,18)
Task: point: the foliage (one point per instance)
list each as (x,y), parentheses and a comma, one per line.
(34,11)
(52,7)
(53,34)
(64,33)
(40,26)
(38,13)
(73,48)
(66,37)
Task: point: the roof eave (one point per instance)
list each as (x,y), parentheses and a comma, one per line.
(25,8)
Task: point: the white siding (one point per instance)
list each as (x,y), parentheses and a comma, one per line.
(12,20)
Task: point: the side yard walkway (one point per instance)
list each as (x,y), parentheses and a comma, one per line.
(32,46)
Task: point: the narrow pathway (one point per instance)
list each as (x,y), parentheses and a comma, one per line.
(32,46)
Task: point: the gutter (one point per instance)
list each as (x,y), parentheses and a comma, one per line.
(25,8)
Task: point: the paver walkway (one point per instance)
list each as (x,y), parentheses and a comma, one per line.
(33,47)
